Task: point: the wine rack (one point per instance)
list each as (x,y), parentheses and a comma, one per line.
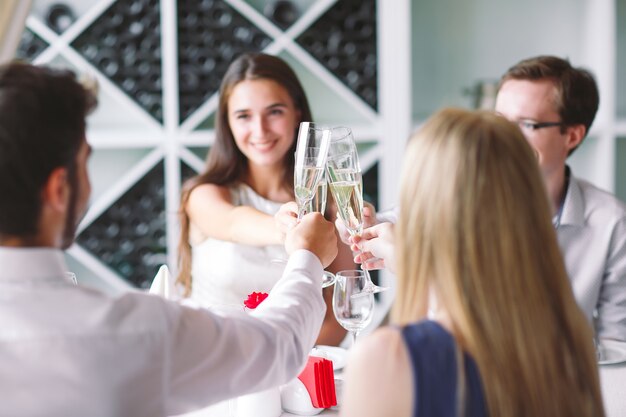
(30,46)
(124,43)
(129,237)
(344,41)
(210,36)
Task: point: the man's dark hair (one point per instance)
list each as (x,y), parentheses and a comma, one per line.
(577,96)
(42,125)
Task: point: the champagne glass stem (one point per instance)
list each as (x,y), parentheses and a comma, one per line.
(305,207)
(329,279)
(354,334)
(302,210)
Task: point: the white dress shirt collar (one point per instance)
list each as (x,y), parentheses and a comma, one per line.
(32,264)
(574,205)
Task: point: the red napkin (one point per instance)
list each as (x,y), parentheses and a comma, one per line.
(318,378)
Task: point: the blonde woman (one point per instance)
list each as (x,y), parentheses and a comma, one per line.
(486,320)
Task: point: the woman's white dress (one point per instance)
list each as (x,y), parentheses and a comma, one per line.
(224,273)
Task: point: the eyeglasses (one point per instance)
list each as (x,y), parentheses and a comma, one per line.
(528,125)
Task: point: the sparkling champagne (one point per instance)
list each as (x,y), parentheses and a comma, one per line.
(347,189)
(307,181)
(319,199)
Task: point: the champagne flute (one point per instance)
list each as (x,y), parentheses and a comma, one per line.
(318,203)
(309,179)
(346,184)
(353,306)
(310,162)
(309,176)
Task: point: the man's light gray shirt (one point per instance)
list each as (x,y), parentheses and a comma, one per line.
(592,237)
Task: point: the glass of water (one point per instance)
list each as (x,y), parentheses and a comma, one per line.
(353,305)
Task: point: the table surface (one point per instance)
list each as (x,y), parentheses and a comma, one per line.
(222,410)
(612,381)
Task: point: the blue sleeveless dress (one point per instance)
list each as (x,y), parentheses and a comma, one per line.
(433,359)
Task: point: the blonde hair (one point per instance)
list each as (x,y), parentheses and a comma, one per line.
(475,225)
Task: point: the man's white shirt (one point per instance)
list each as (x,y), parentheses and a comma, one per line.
(69,351)
(592,236)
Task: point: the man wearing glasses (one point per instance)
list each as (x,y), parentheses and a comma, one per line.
(554,105)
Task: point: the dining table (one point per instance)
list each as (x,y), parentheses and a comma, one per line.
(612,383)
(222,410)
(325,413)
(226,408)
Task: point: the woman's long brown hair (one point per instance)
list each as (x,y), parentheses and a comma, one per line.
(475,225)
(225,163)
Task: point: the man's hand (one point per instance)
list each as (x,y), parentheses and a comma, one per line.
(315,234)
(369,220)
(377,247)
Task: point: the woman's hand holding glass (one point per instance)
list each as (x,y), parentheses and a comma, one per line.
(346,184)
(328,157)
(286,218)
(369,220)
(376,247)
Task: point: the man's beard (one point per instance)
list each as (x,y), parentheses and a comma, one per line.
(71,221)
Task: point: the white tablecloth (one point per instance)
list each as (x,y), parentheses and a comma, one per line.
(612,380)
(222,410)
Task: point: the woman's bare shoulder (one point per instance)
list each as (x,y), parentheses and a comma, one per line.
(379,370)
(385,343)
(208,194)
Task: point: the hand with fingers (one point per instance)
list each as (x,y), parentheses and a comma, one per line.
(315,234)
(286,218)
(376,247)
(369,220)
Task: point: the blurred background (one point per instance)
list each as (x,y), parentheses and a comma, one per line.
(379,67)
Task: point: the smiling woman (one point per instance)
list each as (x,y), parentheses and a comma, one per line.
(262,118)
(233,215)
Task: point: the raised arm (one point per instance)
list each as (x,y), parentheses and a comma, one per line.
(212,212)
